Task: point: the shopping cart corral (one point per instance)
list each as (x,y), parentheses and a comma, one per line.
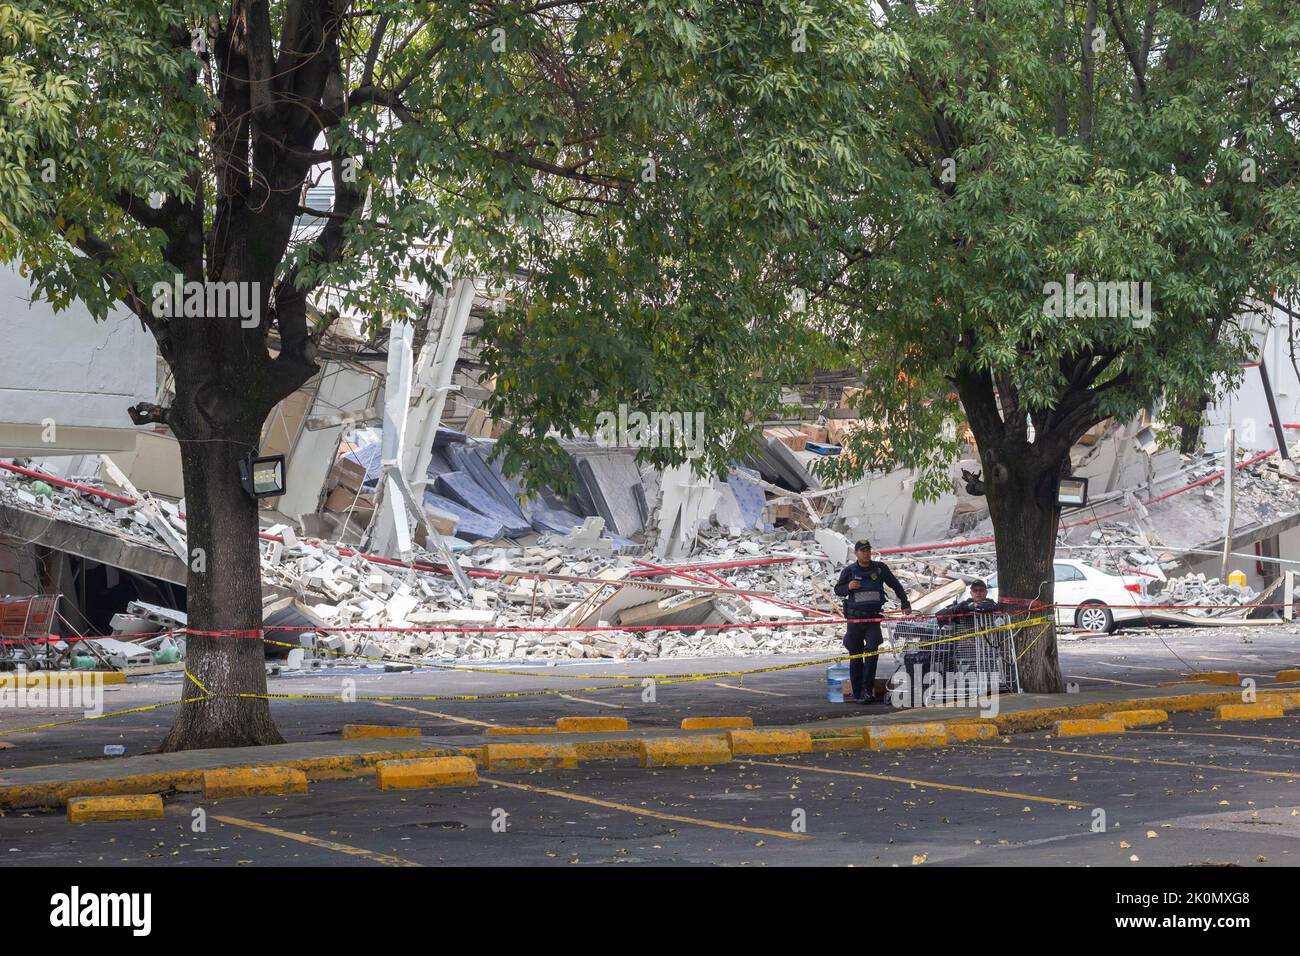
(953,660)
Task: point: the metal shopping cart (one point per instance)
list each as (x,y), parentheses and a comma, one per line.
(26,632)
(950,660)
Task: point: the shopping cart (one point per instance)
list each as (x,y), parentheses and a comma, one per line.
(26,632)
(947,661)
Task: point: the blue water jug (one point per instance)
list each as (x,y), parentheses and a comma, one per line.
(836,675)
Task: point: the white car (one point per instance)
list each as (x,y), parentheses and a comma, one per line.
(1090,599)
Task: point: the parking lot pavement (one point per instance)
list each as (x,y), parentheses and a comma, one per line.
(1137,661)
(1194,792)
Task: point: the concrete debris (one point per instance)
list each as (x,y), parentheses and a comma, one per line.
(737,569)
(1205,597)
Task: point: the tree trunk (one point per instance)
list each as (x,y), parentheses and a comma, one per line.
(1022,498)
(224,595)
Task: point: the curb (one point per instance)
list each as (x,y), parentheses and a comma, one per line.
(745,742)
(589,725)
(530,756)
(906,736)
(252,782)
(717,723)
(1043,718)
(513,731)
(684,751)
(1225,678)
(56,794)
(1088,728)
(425,773)
(365,731)
(660,751)
(975,730)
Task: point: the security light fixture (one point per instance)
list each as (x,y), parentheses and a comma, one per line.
(1073,492)
(262,477)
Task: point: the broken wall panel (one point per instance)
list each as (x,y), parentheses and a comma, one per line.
(608,478)
(461,488)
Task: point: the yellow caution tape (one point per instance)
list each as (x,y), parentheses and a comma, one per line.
(639,681)
(115,713)
(625,677)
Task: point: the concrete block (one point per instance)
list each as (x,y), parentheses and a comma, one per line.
(363,731)
(906,736)
(856,742)
(252,781)
(684,751)
(424,772)
(590,724)
(138,806)
(628,747)
(1087,728)
(1223,678)
(510,731)
(1138,718)
(1259,711)
(716,723)
(769,741)
(529,756)
(976,730)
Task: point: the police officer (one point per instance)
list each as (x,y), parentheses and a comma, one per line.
(862,585)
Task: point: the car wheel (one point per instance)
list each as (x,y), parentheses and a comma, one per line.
(1095,617)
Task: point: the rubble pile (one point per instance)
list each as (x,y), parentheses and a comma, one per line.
(575,595)
(86,510)
(1205,597)
(538,613)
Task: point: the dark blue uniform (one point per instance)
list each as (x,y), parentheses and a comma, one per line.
(865,601)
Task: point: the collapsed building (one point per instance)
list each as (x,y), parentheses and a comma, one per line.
(638,563)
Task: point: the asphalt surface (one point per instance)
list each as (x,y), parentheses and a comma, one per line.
(1194,792)
(1129,660)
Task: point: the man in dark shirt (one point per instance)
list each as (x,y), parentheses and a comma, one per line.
(862,585)
(962,613)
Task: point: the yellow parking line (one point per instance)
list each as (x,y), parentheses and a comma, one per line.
(1150,760)
(382,858)
(434,713)
(888,778)
(1197,733)
(752,690)
(643,812)
(584,700)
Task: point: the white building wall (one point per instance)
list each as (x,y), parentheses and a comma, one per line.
(1246,408)
(65,368)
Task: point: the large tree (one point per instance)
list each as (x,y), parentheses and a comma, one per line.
(430,120)
(1039,142)
(594,148)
